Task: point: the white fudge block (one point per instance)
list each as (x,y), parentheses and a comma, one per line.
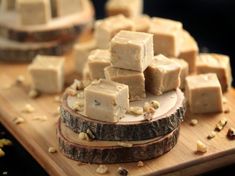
(47,73)
(106,100)
(167,39)
(34,12)
(162,75)
(129,8)
(216,63)
(105,29)
(67,7)
(97,61)
(132,50)
(203,93)
(141,23)
(188,50)
(134,80)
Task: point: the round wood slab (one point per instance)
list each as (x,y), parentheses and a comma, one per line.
(111,152)
(130,128)
(68,26)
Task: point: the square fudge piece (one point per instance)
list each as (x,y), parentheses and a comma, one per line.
(97,61)
(67,7)
(34,12)
(203,93)
(188,50)
(216,63)
(47,73)
(166,37)
(129,8)
(132,50)
(141,23)
(81,52)
(105,29)
(106,100)
(134,80)
(184,71)
(162,75)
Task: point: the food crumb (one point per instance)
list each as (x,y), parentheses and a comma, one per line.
(52,150)
(18,120)
(33,93)
(193,122)
(102,169)
(5,173)
(28,108)
(140,163)
(211,135)
(5,142)
(201,147)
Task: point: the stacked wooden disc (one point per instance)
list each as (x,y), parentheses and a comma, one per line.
(20,43)
(131,139)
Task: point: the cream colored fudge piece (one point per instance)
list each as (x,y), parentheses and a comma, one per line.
(189,50)
(141,23)
(7,5)
(67,7)
(106,100)
(162,75)
(184,71)
(203,93)
(34,12)
(134,80)
(106,29)
(47,73)
(97,61)
(81,52)
(216,63)
(132,50)
(129,8)
(167,39)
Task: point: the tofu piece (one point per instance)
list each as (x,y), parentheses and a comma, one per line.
(216,63)
(81,52)
(167,39)
(7,5)
(162,75)
(134,80)
(67,7)
(47,73)
(184,71)
(204,93)
(129,8)
(132,50)
(106,100)
(97,61)
(141,23)
(188,50)
(106,29)
(34,12)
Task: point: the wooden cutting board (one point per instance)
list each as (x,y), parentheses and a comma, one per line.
(38,136)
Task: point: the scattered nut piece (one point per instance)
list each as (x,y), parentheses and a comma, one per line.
(226,110)
(211,135)
(155,104)
(2,153)
(231,134)
(136,110)
(40,118)
(77,85)
(57,99)
(90,134)
(193,122)
(140,163)
(77,106)
(221,124)
(102,169)
(33,93)
(52,150)
(71,92)
(5,142)
(125,144)
(201,147)
(20,79)
(122,171)
(148,116)
(18,120)
(83,136)
(58,110)
(28,108)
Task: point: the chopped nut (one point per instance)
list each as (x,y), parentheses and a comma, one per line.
(5,142)
(148,116)
(201,147)
(90,134)
(40,118)
(140,164)
(18,120)
(125,144)
(136,110)
(211,135)
(155,104)
(231,133)
(122,171)
(71,92)
(221,124)
(77,106)
(57,99)
(33,93)
(224,100)
(77,85)
(226,110)
(20,79)
(28,108)
(52,150)
(2,153)
(83,136)
(193,122)
(102,169)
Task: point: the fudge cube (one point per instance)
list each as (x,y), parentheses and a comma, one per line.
(34,12)
(81,52)
(184,71)
(47,73)
(162,75)
(129,8)
(132,50)
(141,23)
(67,7)
(216,63)
(106,100)
(134,80)
(203,93)
(166,37)
(106,29)
(97,61)
(188,50)
(7,5)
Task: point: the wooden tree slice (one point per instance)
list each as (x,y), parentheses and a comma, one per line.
(11,51)
(68,26)
(110,152)
(130,128)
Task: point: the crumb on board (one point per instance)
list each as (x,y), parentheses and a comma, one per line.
(140,164)
(125,144)
(102,169)
(5,142)
(28,108)
(33,93)
(193,122)
(201,147)
(18,120)
(211,135)
(52,150)
(221,124)
(136,110)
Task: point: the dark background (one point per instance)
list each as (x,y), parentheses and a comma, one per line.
(211,22)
